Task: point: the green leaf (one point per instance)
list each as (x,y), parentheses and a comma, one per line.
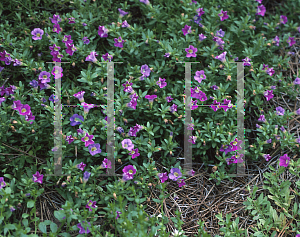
(30,204)
(53,227)
(43,227)
(156,200)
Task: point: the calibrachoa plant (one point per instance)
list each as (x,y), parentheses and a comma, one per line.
(149,100)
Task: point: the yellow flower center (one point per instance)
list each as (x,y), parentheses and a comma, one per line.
(45,77)
(287,161)
(38,34)
(234,143)
(55,29)
(86,138)
(130,172)
(190,51)
(176,174)
(23,110)
(94,149)
(119,40)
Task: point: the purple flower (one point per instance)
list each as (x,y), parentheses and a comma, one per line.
(44,77)
(12,208)
(127,144)
(191,50)
(247,61)
(86,176)
(37,34)
(291,41)
(283,19)
(91,204)
(161,83)
(87,107)
(37,177)
(92,57)
(167,55)
(29,117)
(56,28)
(134,153)
(79,95)
(215,87)
(27,194)
(200,76)
(297,81)
(120,130)
(107,56)
(181,183)
(270,71)
(75,120)
(186,30)
(106,163)
(16,63)
(122,13)
(200,11)
(1,69)
(56,71)
(192,139)
(268,94)
(297,112)
(2,99)
(284,160)
(173,108)
(220,33)
(84,24)
(163,176)
(56,19)
(236,145)
(151,98)
(145,1)
(197,19)
(226,150)
(69,139)
(175,174)
(276,40)
(2,183)
(71,20)
(88,139)
(222,57)
(223,15)
(118,216)
(262,118)
(24,109)
(191,172)
(267,157)
(197,93)
(282,129)
(202,37)
(127,86)
(169,98)
(94,149)
(81,166)
(70,49)
(16,104)
(145,70)
(119,42)
(51,98)
(129,171)
(66,40)
(82,231)
(280,111)
(268,141)
(102,32)
(261,10)
(57,56)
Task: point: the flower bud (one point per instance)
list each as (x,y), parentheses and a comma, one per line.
(115,196)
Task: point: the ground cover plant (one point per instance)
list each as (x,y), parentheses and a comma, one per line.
(149,38)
